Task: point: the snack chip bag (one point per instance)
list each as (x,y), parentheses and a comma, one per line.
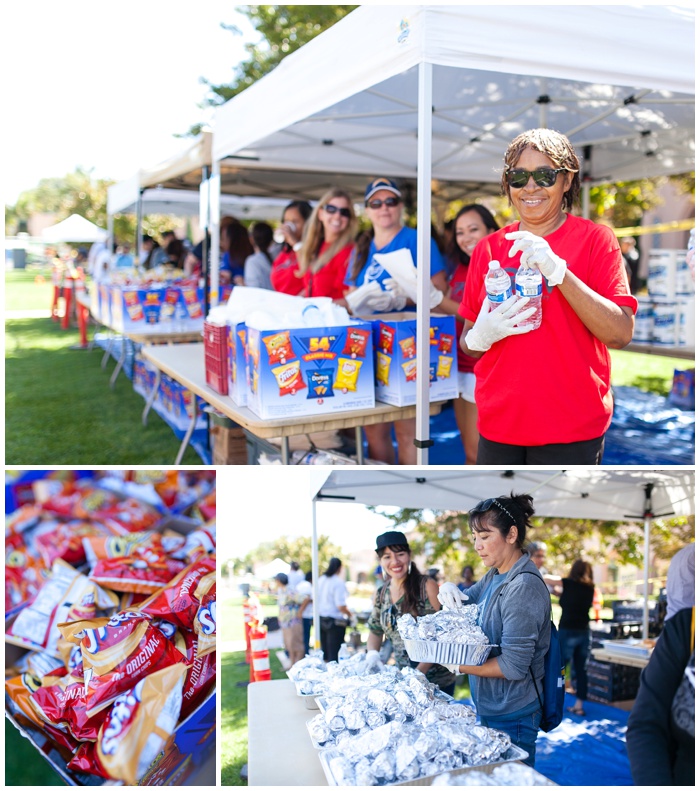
(347,374)
(128,516)
(201,675)
(142,572)
(408,347)
(279,348)
(410,369)
(432,370)
(205,618)
(62,702)
(320,383)
(356,342)
(289,378)
(140,723)
(444,366)
(119,546)
(85,760)
(445,343)
(202,541)
(117,653)
(65,541)
(386,338)
(179,601)
(66,595)
(382,368)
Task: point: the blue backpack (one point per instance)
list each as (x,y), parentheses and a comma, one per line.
(554,681)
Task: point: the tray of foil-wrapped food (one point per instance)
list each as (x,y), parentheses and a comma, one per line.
(410,753)
(450,637)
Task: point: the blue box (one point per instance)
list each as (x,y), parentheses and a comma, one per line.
(310,370)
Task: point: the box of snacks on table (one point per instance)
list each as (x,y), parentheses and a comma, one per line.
(111,655)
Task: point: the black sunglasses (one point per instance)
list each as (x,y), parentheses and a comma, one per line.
(544,177)
(486,505)
(388,202)
(331,209)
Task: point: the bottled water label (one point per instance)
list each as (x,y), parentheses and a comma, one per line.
(530,290)
(498,298)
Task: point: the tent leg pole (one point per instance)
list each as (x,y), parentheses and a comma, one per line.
(314,576)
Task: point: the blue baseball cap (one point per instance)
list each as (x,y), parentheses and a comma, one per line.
(381,183)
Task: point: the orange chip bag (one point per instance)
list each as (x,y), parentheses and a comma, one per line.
(140,723)
(410,369)
(119,546)
(444,366)
(289,378)
(142,572)
(356,342)
(347,374)
(279,348)
(382,368)
(408,347)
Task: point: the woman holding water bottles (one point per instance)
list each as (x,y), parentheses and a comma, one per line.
(543,395)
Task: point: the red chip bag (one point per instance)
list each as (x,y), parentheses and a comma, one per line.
(117,653)
(128,516)
(200,678)
(62,702)
(85,760)
(66,541)
(356,342)
(143,572)
(178,601)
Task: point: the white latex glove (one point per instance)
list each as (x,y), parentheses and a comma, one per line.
(454,669)
(410,290)
(537,254)
(450,596)
(385,301)
(357,299)
(495,325)
(373,660)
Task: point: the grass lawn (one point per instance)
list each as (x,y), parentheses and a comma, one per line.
(23,764)
(28,289)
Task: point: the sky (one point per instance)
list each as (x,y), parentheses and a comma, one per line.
(106,86)
(264,503)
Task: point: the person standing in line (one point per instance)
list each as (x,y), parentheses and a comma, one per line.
(304,590)
(290,620)
(295,575)
(333,610)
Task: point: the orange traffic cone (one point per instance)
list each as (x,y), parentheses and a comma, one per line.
(260,665)
(246,626)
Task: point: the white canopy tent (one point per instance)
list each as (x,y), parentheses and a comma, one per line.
(73,229)
(610,495)
(435,93)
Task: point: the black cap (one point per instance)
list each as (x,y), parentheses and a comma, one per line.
(391,539)
(282,578)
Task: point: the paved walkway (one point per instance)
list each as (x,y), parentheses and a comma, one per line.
(27,314)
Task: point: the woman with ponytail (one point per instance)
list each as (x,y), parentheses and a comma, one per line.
(405,590)
(515,613)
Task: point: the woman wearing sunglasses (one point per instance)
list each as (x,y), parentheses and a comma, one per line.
(515,614)
(564,365)
(384,206)
(405,590)
(328,242)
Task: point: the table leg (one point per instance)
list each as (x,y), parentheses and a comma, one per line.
(151,397)
(359,445)
(285,450)
(120,363)
(108,349)
(188,436)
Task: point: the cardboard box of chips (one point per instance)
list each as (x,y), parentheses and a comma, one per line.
(310,371)
(177,308)
(396,364)
(238,355)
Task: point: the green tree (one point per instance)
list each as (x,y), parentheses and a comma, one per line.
(289,549)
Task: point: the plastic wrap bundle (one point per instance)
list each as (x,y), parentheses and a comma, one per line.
(510,774)
(397,697)
(400,752)
(445,637)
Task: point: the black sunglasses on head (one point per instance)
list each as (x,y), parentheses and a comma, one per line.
(544,177)
(486,505)
(331,209)
(377,203)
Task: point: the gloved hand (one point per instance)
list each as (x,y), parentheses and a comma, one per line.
(373,660)
(410,290)
(357,299)
(385,301)
(454,669)
(537,254)
(495,325)
(450,596)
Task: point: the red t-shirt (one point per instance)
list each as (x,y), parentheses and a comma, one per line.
(550,385)
(465,363)
(285,274)
(329,281)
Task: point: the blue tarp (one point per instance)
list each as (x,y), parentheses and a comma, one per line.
(644,430)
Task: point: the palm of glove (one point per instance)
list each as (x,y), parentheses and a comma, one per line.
(450,596)
(537,254)
(492,326)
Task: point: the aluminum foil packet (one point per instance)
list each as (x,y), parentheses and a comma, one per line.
(446,626)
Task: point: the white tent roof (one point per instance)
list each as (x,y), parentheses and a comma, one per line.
(611,495)
(617,80)
(276,566)
(73,229)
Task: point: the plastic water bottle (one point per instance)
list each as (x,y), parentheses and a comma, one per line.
(498,285)
(344,652)
(528,283)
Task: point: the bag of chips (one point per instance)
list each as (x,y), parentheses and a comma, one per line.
(205,619)
(142,572)
(62,702)
(201,674)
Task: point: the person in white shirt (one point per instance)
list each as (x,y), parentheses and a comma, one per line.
(295,575)
(304,589)
(333,610)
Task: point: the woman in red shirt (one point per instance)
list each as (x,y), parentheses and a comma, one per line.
(285,275)
(328,242)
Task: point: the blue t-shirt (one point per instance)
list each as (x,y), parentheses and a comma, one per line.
(405,238)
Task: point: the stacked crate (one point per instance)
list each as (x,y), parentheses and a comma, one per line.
(609,682)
